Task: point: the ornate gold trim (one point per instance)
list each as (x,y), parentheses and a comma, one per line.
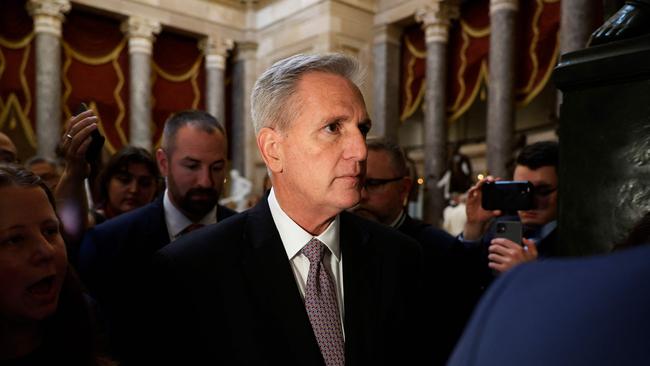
(413,50)
(532,54)
(13,104)
(482,77)
(98,60)
(474,32)
(15,45)
(461,70)
(547,75)
(23,80)
(181,77)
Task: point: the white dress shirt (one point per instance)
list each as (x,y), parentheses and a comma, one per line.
(176,220)
(295,238)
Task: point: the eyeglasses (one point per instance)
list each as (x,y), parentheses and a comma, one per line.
(373,184)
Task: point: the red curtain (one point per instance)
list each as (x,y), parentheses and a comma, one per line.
(17,76)
(537,52)
(96,71)
(179,78)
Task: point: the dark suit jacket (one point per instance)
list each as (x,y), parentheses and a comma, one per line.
(452,290)
(590,311)
(112,262)
(227,295)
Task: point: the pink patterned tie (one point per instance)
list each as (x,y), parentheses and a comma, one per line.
(322,307)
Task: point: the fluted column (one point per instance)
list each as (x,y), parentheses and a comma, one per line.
(48,17)
(386,52)
(141,34)
(576,24)
(215,50)
(436,19)
(501,86)
(242,132)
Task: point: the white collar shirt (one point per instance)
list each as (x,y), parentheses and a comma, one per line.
(294,238)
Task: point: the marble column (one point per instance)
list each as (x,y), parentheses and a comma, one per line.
(215,50)
(501,87)
(141,34)
(242,134)
(578,21)
(436,19)
(386,58)
(48,17)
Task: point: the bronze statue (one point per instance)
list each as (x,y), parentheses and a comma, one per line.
(632,20)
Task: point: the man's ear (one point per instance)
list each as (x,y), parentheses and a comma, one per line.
(163,162)
(269,143)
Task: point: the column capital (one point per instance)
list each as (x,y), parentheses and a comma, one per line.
(48,15)
(499,5)
(387,33)
(246,51)
(436,18)
(141,33)
(216,50)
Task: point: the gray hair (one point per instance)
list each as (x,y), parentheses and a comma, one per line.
(277,85)
(199,119)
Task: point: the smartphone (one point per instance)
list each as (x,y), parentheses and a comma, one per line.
(508,196)
(511,230)
(96,139)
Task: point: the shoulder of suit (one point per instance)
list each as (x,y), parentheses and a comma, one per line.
(147,213)
(377,232)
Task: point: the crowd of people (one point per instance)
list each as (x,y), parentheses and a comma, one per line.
(144,266)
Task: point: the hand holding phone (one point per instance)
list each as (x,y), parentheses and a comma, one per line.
(511,230)
(96,139)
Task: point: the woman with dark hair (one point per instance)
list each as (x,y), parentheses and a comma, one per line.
(44,317)
(128,181)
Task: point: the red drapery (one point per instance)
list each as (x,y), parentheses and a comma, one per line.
(179,78)
(17,76)
(95,70)
(537,51)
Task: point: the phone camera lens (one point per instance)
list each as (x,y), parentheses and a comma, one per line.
(501,228)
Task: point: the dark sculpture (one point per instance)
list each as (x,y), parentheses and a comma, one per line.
(632,20)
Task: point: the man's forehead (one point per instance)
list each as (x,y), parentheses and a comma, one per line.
(546,174)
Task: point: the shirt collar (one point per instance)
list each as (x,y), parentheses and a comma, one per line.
(399,220)
(176,221)
(295,238)
(547,229)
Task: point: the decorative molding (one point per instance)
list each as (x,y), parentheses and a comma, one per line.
(501,5)
(141,33)
(387,33)
(436,18)
(216,50)
(48,15)
(246,51)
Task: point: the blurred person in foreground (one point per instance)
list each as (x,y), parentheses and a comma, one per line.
(44,317)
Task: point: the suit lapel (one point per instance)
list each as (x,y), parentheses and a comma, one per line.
(361,276)
(268,271)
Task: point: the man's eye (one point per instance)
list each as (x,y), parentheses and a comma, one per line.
(192,166)
(332,127)
(217,168)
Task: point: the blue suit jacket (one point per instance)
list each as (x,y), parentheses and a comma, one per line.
(589,311)
(112,262)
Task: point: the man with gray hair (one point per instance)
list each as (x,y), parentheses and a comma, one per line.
(295,280)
